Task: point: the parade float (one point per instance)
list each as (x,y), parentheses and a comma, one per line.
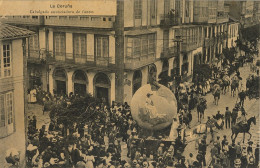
(154,108)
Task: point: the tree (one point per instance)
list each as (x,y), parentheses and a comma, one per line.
(164,78)
(81,109)
(203,72)
(229,54)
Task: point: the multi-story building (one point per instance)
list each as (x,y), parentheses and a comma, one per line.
(256,11)
(244,11)
(203,37)
(12,90)
(78,53)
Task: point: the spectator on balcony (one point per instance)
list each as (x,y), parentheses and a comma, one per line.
(171,15)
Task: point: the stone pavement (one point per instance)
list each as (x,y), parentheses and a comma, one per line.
(251,107)
(36,109)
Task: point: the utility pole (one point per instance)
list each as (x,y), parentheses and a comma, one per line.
(178,40)
(119,50)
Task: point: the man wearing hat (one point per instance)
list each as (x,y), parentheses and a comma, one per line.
(160,150)
(218,144)
(232,153)
(234,115)
(250,148)
(190,160)
(224,141)
(224,159)
(238,149)
(203,149)
(237,163)
(251,160)
(227,117)
(217,164)
(257,154)
(214,152)
(134,163)
(244,161)
(199,158)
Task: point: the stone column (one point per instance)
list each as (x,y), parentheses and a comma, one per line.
(70,87)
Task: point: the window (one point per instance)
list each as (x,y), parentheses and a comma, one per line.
(137,47)
(59,44)
(141,46)
(144,46)
(101,46)
(6,109)
(138,9)
(2,105)
(187,8)
(5,63)
(153,9)
(34,46)
(177,8)
(151,40)
(79,45)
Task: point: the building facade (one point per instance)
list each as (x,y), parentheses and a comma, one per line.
(12,70)
(77,54)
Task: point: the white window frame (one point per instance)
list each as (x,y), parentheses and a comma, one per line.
(4,69)
(80,49)
(7,99)
(138,9)
(141,45)
(59,47)
(102,47)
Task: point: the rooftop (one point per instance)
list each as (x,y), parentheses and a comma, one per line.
(13,32)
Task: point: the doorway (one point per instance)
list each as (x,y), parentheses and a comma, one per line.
(61,87)
(102,93)
(80,81)
(60,79)
(80,89)
(102,87)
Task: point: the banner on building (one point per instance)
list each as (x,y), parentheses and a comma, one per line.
(57,7)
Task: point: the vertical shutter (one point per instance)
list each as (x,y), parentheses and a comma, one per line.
(2,111)
(98,46)
(83,45)
(62,41)
(105,46)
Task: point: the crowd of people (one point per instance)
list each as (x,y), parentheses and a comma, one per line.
(100,143)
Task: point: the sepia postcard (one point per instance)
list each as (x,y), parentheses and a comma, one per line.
(129,83)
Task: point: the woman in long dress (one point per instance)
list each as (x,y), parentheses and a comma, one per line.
(150,108)
(174,132)
(33,96)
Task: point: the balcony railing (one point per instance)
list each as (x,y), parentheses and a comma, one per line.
(189,46)
(137,62)
(169,52)
(222,36)
(80,59)
(222,19)
(168,20)
(36,56)
(27,20)
(81,21)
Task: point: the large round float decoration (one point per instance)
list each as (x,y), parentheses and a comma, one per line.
(154,109)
